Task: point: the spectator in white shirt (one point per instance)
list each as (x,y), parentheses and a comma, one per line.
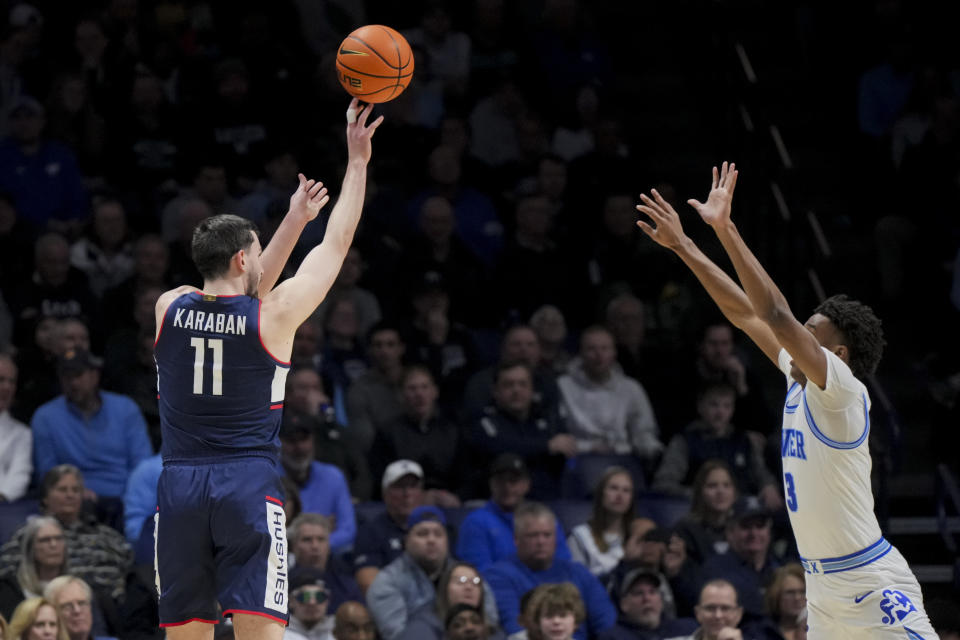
(16,441)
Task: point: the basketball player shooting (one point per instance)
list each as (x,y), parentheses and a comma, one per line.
(222,359)
(858,584)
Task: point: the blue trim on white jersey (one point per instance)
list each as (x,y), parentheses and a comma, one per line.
(791,408)
(913,635)
(853,560)
(822,437)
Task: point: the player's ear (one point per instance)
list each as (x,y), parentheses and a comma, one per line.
(842,352)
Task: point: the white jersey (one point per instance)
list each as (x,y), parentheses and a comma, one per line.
(826,463)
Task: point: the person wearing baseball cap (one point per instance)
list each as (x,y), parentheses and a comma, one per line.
(641,612)
(749,564)
(486,534)
(380,541)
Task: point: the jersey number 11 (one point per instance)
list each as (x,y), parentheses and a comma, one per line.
(199,346)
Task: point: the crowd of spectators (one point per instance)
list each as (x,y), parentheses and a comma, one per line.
(501,347)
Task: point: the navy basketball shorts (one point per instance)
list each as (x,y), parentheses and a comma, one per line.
(220,537)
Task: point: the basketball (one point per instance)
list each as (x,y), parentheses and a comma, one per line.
(375,63)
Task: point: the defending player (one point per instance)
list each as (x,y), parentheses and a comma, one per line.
(222,361)
(858,585)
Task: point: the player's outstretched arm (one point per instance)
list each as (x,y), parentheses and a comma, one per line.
(297,297)
(766,299)
(305,204)
(733,302)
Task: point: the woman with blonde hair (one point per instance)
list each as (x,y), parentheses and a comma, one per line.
(598,543)
(43,557)
(36,619)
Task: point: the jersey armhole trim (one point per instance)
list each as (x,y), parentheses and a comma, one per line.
(835,444)
(163,319)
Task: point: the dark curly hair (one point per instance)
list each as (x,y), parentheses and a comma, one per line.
(862,332)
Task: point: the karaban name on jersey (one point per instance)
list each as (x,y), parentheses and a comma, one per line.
(826,462)
(220,391)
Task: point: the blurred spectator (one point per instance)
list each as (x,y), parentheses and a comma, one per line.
(322,487)
(140,497)
(486,534)
(715,437)
(465,622)
(208,185)
(575,137)
(459,584)
(42,557)
(270,198)
(309,603)
(703,530)
(553,612)
(641,611)
(610,415)
(76,602)
(306,346)
(493,123)
(73,120)
(438,248)
(534,564)
(353,622)
(551,329)
(373,401)
(307,411)
(309,538)
(519,344)
(657,551)
(37,360)
(718,612)
(102,68)
(365,304)
(476,219)
(785,599)
(54,290)
(512,424)
(447,51)
(532,271)
(494,33)
(602,170)
(446,348)
(342,357)
(598,543)
(718,361)
(106,255)
(641,359)
(749,565)
(95,551)
(151,261)
(40,174)
(189,213)
(16,440)
(409,582)
(36,618)
(100,432)
(380,541)
(423,433)
(6,326)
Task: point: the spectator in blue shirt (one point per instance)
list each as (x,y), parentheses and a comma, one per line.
(536,563)
(486,534)
(40,174)
(140,498)
(102,433)
(323,487)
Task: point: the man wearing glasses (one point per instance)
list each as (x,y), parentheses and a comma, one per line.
(73,599)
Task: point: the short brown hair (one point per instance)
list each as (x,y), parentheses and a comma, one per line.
(550,599)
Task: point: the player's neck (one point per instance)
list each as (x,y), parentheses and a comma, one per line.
(225,287)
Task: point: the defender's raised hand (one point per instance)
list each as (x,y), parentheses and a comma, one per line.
(667,232)
(309,198)
(359,133)
(716,210)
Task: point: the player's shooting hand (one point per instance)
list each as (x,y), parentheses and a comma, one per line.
(309,198)
(716,210)
(666,229)
(359,132)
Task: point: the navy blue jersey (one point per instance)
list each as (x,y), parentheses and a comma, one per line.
(220,390)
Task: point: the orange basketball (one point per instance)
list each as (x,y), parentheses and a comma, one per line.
(375,63)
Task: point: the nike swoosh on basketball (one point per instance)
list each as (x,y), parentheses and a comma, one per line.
(859,599)
(351,52)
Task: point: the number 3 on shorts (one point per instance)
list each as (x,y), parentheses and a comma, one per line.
(791,491)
